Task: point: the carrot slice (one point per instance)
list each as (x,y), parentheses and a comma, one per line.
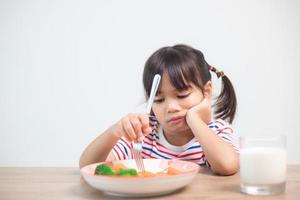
(172,171)
(117,166)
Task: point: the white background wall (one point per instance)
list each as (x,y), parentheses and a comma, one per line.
(69,69)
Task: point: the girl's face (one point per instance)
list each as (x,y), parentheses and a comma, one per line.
(170,105)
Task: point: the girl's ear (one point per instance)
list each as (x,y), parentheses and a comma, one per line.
(207,90)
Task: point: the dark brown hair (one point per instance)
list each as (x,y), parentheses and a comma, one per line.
(185,65)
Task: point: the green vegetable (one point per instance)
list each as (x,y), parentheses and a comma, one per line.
(104,169)
(127,172)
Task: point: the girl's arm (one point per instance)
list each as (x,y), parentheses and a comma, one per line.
(131,127)
(99,149)
(221,155)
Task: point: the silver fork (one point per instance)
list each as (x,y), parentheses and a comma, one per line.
(137,154)
(138,144)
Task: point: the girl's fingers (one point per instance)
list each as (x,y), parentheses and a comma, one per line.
(117,130)
(146,128)
(144,119)
(128,129)
(127,136)
(137,126)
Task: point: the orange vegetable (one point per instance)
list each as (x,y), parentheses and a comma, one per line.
(117,166)
(172,171)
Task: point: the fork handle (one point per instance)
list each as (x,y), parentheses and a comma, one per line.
(154,88)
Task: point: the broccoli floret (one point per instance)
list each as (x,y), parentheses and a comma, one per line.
(127,172)
(104,169)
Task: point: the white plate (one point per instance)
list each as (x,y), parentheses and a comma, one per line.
(142,186)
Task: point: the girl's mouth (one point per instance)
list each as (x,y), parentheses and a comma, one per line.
(176,120)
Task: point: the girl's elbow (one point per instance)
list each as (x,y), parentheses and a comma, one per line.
(227,168)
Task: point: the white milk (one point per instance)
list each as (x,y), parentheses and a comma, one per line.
(262,165)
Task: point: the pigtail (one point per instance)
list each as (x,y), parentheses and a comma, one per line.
(226,102)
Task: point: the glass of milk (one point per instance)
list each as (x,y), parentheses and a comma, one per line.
(263,165)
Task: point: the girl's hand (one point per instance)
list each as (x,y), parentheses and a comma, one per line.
(132,126)
(202,110)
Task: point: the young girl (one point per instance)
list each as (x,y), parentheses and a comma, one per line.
(181,125)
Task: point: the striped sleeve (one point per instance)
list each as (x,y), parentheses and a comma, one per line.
(122,149)
(224,131)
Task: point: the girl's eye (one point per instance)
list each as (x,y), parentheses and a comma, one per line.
(183,96)
(158,100)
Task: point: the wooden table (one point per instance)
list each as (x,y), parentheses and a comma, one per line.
(66,183)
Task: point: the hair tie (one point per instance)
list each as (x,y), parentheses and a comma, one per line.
(217,72)
(220,74)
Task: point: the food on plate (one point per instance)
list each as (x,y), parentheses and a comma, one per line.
(118,169)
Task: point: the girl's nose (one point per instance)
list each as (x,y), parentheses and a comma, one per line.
(172,106)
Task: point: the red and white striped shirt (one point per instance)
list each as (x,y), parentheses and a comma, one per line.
(155,145)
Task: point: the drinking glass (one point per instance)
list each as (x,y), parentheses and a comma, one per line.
(263,165)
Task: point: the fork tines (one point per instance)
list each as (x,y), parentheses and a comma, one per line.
(137,154)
